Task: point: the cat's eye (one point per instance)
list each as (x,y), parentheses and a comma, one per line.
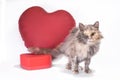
(92,34)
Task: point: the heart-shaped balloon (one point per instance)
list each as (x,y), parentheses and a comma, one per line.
(39,28)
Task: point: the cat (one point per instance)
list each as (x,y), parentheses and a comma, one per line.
(80,45)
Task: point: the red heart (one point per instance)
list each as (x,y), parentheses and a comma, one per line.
(45,30)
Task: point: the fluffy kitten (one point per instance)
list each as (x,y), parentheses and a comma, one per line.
(80,45)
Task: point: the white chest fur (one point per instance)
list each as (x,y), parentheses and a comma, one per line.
(81,50)
(76,48)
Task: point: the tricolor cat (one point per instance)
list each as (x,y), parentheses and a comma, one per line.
(80,45)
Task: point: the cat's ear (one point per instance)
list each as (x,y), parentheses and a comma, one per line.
(81,27)
(96,24)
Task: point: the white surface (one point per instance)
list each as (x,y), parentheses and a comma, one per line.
(105,65)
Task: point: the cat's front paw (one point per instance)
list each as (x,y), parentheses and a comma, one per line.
(75,71)
(88,70)
(68,66)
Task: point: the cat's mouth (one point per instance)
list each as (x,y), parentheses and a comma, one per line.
(92,41)
(89,41)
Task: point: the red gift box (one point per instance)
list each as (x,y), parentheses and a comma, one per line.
(33,61)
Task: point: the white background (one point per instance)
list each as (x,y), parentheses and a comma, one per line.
(105,65)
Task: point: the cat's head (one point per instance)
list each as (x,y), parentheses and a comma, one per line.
(91,32)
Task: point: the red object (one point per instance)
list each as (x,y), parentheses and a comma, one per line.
(45,30)
(39,28)
(32,61)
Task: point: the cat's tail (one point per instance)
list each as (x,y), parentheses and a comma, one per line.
(55,53)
